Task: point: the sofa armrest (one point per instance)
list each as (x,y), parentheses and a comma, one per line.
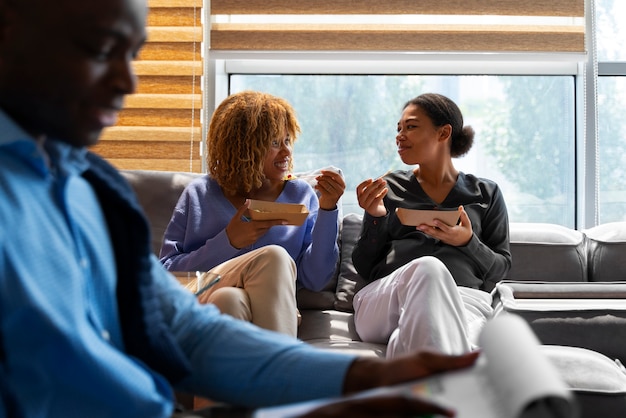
(586,315)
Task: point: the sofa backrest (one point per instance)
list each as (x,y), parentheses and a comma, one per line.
(606,252)
(547,252)
(158,193)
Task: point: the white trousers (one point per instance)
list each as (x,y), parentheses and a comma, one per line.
(258,287)
(420,307)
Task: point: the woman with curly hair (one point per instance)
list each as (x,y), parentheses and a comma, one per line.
(250,141)
(429,284)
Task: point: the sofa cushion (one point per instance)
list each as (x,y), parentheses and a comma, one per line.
(349,281)
(547,252)
(332,329)
(606,246)
(598,383)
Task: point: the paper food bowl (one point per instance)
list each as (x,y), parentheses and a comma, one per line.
(294,214)
(415,217)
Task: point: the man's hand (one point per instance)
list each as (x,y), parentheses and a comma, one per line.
(369,373)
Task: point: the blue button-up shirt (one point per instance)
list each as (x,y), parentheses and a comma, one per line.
(62,352)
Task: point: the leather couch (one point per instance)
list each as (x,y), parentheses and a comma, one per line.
(566,283)
(544,255)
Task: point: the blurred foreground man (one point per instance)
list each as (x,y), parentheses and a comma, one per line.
(91,325)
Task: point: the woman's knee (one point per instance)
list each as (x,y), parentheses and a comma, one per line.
(426,272)
(276,254)
(277,259)
(233,301)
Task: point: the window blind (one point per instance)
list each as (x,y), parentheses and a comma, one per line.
(555,26)
(160,127)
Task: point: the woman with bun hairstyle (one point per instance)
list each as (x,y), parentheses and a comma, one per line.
(429,284)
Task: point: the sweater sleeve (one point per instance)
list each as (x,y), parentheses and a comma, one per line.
(491,251)
(318,260)
(185,247)
(370,247)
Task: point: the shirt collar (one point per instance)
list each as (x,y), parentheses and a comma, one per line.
(54,156)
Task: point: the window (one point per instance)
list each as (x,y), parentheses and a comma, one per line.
(611,99)
(513,69)
(525,130)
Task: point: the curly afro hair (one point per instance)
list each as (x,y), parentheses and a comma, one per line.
(240,134)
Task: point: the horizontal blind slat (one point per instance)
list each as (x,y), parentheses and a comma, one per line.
(170,51)
(163,101)
(397,38)
(151,133)
(174,34)
(158,117)
(168,85)
(174,17)
(164,68)
(174,3)
(446,7)
(162,164)
(145,149)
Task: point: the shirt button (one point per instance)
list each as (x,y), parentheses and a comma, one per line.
(84,263)
(105,335)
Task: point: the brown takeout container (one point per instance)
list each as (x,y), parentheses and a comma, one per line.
(294,214)
(415,217)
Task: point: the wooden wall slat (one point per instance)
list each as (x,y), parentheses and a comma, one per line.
(460,7)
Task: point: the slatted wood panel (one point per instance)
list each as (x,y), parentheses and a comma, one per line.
(465,37)
(159,129)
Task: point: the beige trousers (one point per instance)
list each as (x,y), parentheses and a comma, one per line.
(258,287)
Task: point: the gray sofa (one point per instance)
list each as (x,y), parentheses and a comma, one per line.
(565,283)
(542,254)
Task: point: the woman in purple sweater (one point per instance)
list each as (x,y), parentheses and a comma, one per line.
(250,143)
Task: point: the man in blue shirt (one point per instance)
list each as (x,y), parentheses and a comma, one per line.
(91,325)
